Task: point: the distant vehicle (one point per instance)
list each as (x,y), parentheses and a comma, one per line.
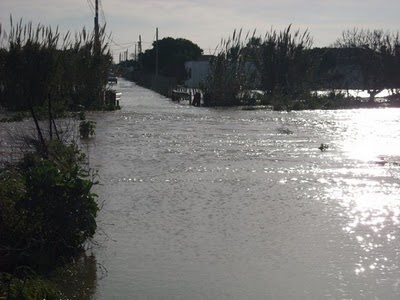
(112,79)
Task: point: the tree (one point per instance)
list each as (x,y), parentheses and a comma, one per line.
(172,55)
(378,58)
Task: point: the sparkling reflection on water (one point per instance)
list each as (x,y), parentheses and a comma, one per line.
(225,204)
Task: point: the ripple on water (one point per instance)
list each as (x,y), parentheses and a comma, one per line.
(214,204)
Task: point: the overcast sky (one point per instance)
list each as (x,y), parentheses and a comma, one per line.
(205,22)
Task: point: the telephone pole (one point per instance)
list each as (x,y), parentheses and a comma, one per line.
(96,28)
(140,51)
(135,56)
(140,44)
(156,51)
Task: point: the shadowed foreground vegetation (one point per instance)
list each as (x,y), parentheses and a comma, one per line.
(47,213)
(47,207)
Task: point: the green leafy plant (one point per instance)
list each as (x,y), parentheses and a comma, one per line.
(47,209)
(86,129)
(32,287)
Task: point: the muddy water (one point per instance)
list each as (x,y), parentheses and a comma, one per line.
(228,204)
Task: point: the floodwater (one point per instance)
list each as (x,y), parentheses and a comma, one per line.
(206,203)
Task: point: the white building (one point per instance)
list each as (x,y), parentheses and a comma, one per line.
(197,71)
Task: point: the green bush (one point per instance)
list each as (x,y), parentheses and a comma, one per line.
(47,209)
(32,287)
(86,129)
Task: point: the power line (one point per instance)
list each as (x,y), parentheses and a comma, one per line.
(129,44)
(102,12)
(116,44)
(89,2)
(126,45)
(121,46)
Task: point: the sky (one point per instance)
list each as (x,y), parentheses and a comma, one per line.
(204,22)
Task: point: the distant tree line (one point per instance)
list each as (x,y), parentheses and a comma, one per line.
(39,66)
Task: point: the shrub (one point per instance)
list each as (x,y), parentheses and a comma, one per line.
(32,287)
(47,209)
(86,129)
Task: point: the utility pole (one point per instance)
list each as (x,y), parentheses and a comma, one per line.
(135,57)
(97,88)
(140,44)
(96,29)
(156,51)
(140,51)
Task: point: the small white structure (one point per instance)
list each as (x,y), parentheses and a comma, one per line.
(197,71)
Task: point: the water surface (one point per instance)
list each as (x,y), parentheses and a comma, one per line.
(206,203)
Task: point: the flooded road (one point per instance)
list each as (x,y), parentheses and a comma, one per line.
(206,203)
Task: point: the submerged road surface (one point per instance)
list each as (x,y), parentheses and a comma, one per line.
(206,203)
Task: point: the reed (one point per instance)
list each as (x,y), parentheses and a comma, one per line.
(230,71)
(276,63)
(37,63)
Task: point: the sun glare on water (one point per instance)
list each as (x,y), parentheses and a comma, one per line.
(373,136)
(368,192)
